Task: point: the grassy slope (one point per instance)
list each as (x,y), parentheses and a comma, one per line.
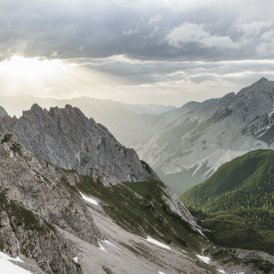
(236,203)
(140,209)
(22,216)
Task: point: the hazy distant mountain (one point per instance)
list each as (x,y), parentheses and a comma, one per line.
(125,121)
(195,143)
(148,109)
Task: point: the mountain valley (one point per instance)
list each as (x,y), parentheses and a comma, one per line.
(96,218)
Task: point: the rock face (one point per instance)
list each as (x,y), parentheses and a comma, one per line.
(35,197)
(3,112)
(211,133)
(66,138)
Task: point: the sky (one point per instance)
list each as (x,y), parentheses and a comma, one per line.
(134,51)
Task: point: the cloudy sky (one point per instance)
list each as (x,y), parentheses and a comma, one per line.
(136,51)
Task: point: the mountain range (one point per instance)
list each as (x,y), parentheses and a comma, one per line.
(125,121)
(68,139)
(200,137)
(184,145)
(74,200)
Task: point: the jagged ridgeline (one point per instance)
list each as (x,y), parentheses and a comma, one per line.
(42,207)
(68,139)
(236,203)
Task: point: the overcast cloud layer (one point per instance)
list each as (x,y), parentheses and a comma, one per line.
(157,51)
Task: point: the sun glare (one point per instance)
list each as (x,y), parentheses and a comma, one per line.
(19,74)
(30,67)
(48,77)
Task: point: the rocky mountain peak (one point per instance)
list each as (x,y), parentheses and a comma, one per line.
(262,85)
(263,80)
(67,138)
(3,112)
(36,107)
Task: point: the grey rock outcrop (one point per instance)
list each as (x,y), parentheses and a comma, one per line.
(68,139)
(35,197)
(3,112)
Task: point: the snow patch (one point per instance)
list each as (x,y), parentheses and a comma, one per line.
(268,126)
(76,260)
(155,242)
(89,200)
(212,162)
(204,259)
(221,271)
(160,272)
(220,157)
(109,243)
(101,247)
(197,168)
(7,257)
(261,134)
(8,267)
(78,157)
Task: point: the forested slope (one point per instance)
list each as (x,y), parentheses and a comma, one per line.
(237,202)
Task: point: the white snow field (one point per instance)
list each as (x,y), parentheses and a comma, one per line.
(155,242)
(109,243)
(101,247)
(89,200)
(204,259)
(7,267)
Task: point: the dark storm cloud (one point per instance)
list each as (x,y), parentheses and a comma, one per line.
(206,30)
